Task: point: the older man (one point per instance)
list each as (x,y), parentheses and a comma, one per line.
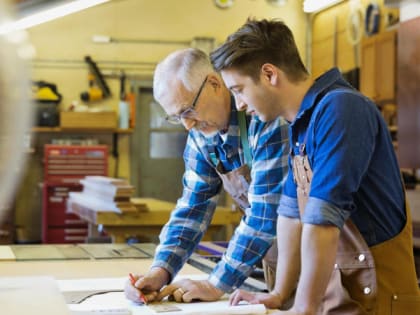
(225,148)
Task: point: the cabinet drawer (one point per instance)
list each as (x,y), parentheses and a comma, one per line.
(66,235)
(59,218)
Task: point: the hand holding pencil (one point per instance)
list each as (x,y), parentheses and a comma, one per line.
(142,297)
(145,288)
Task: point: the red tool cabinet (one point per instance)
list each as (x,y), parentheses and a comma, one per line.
(64,166)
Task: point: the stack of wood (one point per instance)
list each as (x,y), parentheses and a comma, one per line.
(103,193)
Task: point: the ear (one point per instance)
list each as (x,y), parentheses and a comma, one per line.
(269,73)
(214,80)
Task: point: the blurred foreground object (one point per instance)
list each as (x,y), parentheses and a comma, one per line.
(15,107)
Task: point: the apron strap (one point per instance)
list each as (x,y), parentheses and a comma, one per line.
(243,131)
(213,157)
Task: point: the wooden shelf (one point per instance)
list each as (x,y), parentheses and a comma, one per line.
(79,130)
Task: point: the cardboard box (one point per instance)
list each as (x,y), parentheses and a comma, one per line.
(88,120)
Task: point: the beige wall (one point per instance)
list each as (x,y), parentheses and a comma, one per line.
(69,39)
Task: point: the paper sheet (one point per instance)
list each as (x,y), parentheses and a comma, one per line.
(115,303)
(220,307)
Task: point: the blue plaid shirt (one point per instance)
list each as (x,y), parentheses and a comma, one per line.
(194,210)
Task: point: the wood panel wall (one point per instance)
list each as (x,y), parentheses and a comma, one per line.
(330,45)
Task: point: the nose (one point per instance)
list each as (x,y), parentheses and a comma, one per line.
(188,123)
(240,104)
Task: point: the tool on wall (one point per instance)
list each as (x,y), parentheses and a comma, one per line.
(372,19)
(123,120)
(98,88)
(123,106)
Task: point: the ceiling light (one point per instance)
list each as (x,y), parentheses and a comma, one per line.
(63,9)
(311,6)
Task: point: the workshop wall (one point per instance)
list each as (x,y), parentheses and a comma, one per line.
(334,38)
(62,44)
(70,38)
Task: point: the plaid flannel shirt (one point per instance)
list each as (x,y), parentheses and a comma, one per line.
(194,210)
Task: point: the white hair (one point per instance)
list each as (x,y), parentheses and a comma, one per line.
(190,66)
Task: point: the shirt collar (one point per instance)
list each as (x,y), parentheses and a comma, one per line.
(322,84)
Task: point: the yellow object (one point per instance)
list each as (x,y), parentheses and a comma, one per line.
(46,94)
(93,94)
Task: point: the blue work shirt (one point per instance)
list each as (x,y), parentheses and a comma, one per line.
(194,210)
(355,169)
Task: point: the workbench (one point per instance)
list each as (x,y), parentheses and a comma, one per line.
(76,267)
(29,273)
(68,261)
(32,272)
(148,223)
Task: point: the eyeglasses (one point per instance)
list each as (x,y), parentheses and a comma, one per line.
(189,111)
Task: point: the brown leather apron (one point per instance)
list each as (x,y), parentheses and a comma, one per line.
(236,184)
(380,280)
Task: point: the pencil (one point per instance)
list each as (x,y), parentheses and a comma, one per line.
(142,297)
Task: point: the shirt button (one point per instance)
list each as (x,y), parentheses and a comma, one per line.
(367,290)
(361,257)
(335,266)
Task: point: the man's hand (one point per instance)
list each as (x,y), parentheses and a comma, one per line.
(146,286)
(187,290)
(270,300)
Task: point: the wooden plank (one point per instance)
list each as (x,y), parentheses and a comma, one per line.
(122,225)
(94,120)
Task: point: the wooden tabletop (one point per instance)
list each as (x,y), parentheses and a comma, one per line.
(74,269)
(158,213)
(150,220)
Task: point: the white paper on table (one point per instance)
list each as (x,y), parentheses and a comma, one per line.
(116,303)
(112,303)
(116,283)
(220,307)
(104,303)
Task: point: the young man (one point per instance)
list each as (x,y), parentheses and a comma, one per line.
(344,229)
(221,147)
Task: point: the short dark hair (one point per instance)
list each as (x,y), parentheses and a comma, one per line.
(258,42)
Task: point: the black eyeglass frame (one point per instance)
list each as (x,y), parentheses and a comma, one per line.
(176,118)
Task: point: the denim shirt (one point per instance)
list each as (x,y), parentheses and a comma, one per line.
(194,210)
(355,169)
